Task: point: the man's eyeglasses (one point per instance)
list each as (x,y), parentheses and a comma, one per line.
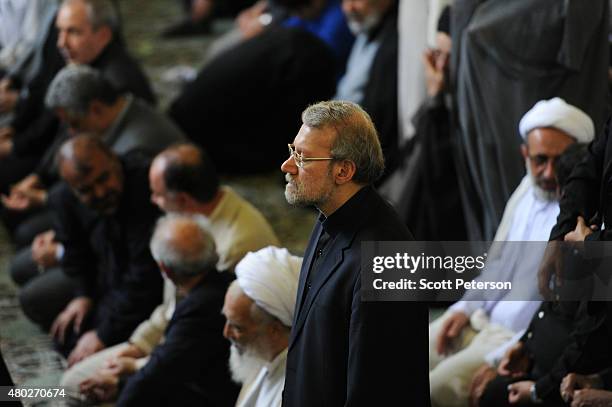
(300,159)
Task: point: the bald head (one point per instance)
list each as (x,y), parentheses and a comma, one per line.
(93,172)
(184,247)
(182,169)
(80,151)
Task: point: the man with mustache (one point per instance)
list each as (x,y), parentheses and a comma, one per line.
(371,72)
(88,32)
(189,369)
(340,350)
(473,330)
(183,179)
(104,222)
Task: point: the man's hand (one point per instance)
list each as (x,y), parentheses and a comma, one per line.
(6,133)
(87,345)
(451,328)
(100,388)
(120,366)
(8,96)
(44,249)
(22,200)
(592,398)
(248,20)
(435,75)
(581,231)
(480,380)
(6,147)
(131,351)
(74,314)
(573,382)
(25,194)
(520,392)
(515,362)
(550,266)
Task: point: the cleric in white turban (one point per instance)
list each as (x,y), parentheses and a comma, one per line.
(558,114)
(259,309)
(567,119)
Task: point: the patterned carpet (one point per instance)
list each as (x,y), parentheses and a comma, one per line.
(27,349)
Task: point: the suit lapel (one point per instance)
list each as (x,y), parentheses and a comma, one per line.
(331,262)
(306,263)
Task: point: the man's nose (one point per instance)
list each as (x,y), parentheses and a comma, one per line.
(99,191)
(549,170)
(289,166)
(226,331)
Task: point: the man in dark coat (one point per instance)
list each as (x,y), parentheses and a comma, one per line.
(339,351)
(88,33)
(107,283)
(371,73)
(190,367)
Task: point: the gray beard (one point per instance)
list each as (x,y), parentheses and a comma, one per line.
(245,366)
(365,26)
(541,194)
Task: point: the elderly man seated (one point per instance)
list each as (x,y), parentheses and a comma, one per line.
(259,308)
(182,179)
(189,368)
(463,337)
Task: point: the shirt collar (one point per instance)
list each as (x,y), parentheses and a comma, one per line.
(346,214)
(109,135)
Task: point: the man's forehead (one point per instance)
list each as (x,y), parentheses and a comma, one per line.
(548,137)
(73,12)
(314,138)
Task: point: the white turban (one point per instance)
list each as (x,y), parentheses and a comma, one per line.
(270,278)
(560,115)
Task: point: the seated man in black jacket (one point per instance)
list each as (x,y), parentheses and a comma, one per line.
(107,284)
(88,33)
(190,366)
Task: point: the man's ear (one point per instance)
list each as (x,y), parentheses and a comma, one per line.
(344,171)
(184,201)
(167,272)
(104,34)
(96,108)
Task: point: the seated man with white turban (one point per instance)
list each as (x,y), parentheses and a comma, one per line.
(259,308)
(473,331)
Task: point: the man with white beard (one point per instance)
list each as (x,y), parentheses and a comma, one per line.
(473,331)
(259,308)
(370,79)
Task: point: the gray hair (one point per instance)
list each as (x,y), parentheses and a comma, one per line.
(184,245)
(100,13)
(76,86)
(356,137)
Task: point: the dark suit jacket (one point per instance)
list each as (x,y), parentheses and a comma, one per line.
(190,367)
(380,94)
(116,65)
(109,255)
(343,351)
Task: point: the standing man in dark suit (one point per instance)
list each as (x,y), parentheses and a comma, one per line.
(343,351)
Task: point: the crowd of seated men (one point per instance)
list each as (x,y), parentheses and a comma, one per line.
(161,286)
